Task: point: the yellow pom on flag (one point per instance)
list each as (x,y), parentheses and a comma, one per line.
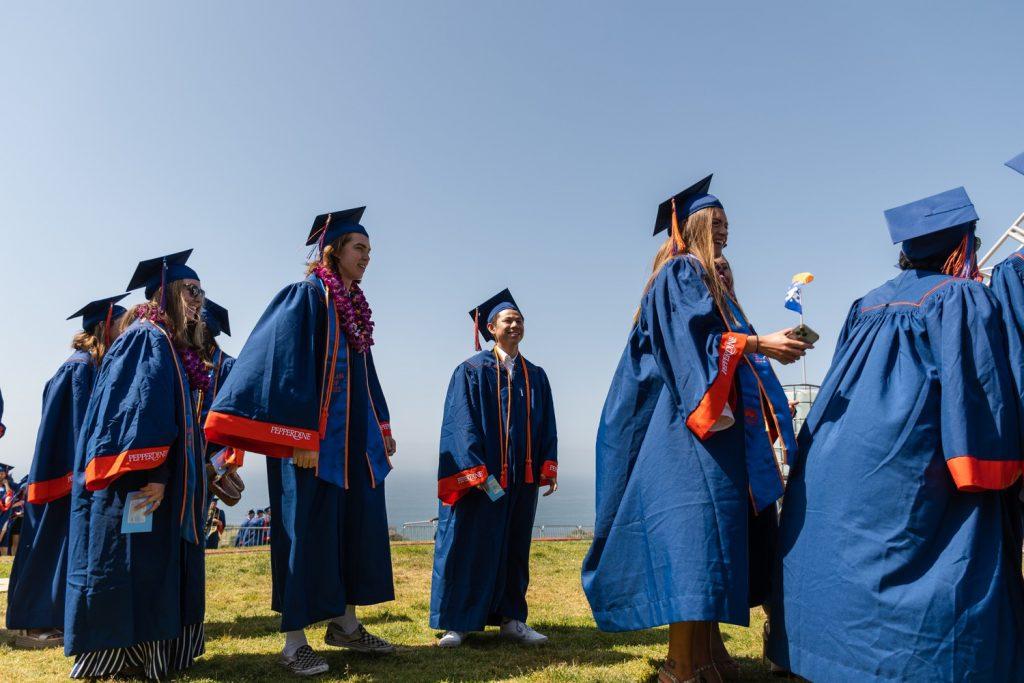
(803,278)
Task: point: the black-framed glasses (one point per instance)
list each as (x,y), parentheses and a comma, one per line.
(195,291)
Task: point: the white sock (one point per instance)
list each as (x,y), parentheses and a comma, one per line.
(347,621)
(293,640)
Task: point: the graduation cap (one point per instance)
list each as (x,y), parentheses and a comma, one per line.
(328,227)
(688,202)
(932,225)
(95,312)
(215,317)
(156,272)
(5,467)
(251,512)
(1017,163)
(487,311)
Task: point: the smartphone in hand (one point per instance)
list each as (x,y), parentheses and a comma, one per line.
(804,333)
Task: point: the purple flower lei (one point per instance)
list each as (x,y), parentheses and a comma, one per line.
(353,310)
(198,376)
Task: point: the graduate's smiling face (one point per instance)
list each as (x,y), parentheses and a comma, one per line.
(353,257)
(508,328)
(719,230)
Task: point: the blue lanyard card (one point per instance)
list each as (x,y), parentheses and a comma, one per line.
(135,521)
(493,488)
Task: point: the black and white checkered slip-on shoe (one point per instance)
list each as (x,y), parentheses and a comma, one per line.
(305,662)
(359,640)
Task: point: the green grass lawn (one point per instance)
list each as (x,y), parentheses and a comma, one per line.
(243,642)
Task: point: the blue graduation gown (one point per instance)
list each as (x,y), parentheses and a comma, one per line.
(673,497)
(298,384)
(899,555)
(39,574)
(126,589)
(482,548)
(2,428)
(222,364)
(1008,285)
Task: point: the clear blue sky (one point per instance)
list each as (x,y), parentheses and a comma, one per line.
(524,144)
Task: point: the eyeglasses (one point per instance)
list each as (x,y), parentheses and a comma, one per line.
(195,291)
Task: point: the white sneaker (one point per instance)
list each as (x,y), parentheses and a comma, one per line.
(451,639)
(517,630)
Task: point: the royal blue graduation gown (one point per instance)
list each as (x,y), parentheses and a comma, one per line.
(222,364)
(674,490)
(298,384)
(1008,285)
(899,552)
(482,547)
(140,426)
(36,596)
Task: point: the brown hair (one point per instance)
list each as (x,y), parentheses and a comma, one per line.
(329,258)
(692,236)
(93,341)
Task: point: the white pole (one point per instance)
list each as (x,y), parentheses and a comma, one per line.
(803,360)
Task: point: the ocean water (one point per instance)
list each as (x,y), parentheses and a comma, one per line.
(412,496)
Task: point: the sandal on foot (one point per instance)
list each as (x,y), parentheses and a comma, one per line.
(666,676)
(39,641)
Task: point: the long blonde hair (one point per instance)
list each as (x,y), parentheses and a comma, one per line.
(693,236)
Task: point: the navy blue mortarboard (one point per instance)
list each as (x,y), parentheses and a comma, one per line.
(688,202)
(1017,163)
(95,312)
(215,317)
(932,225)
(5,467)
(251,512)
(328,227)
(155,272)
(486,312)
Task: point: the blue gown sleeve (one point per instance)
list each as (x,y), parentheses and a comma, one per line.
(462,464)
(270,401)
(380,404)
(696,354)
(548,441)
(65,399)
(979,413)
(131,422)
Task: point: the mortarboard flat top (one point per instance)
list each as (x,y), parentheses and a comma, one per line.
(5,467)
(95,312)
(688,202)
(328,227)
(934,214)
(149,273)
(487,310)
(1017,163)
(215,317)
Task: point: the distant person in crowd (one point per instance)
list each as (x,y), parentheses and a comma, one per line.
(304,391)
(3,430)
(675,467)
(242,538)
(215,521)
(11,511)
(136,574)
(899,547)
(499,445)
(266,526)
(257,528)
(35,598)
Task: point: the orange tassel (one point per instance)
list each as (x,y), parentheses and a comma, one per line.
(476,330)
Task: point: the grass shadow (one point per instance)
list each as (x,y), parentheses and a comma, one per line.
(244,627)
